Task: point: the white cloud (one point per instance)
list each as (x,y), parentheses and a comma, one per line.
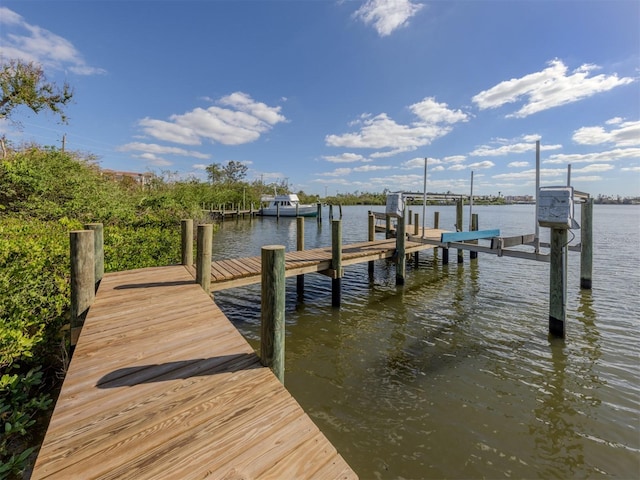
(161,149)
(608,156)
(530,174)
(510,148)
(484,164)
(30,43)
(387,15)
(595,167)
(243,122)
(457,167)
(626,135)
(199,166)
(418,162)
(437,168)
(549,88)
(432,112)
(153,159)
(345,158)
(381,132)
(454,159)
(371,168)
(518,164)
(338,172)
(630,169)
(587,178)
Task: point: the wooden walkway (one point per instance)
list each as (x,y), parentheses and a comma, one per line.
(162,385)
(238,272)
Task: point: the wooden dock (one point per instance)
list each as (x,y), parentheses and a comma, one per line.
(162,385)
(238,272)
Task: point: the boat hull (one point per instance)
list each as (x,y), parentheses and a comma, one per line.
(303,211)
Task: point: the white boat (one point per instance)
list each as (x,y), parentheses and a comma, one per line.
(287,205)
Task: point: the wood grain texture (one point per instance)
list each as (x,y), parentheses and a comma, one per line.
(162,385)
(231,273)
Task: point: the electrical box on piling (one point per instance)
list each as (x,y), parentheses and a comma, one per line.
(555,207)
(395,204)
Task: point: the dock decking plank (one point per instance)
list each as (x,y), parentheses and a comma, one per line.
(161,385)
(233,273)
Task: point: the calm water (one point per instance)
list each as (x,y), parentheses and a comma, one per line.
(453,375)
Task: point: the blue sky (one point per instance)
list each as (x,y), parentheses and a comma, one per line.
(344,96)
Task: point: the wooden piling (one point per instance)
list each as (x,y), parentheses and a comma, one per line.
(272,320)
(474,227)
(459,213)
(277,210)
(336,262)
(300,247)
(586,242)
(319,214)
(82,256)
(401,260)
(436,225)
(387,226)
(98,250)
(371,237)
(557,282)
(416,232)
(186,228)
(203,256)
(331,213)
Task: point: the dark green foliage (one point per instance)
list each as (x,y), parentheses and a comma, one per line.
(34,288)
(24,83)
(20,401)
(44,194)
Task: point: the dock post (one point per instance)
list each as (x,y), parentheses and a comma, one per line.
(336,262)
(98,250)
(203,256)
(586,241)
(83,291)
(401,260)
(300,247)
(436,226)
(319,214)
(387,226)
(297,210)
(459,210)
(277,210)
(416,232)
(272,322)
(331,213)
(186,227)
(474,227)
(371,237)
(557,282)
(410,217)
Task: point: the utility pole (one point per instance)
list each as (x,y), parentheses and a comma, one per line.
(64,141)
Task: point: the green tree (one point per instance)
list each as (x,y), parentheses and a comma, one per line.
(24,83)
(215,173)
(235,172)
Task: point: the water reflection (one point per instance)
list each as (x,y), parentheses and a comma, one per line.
(452,376)
(568,396)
